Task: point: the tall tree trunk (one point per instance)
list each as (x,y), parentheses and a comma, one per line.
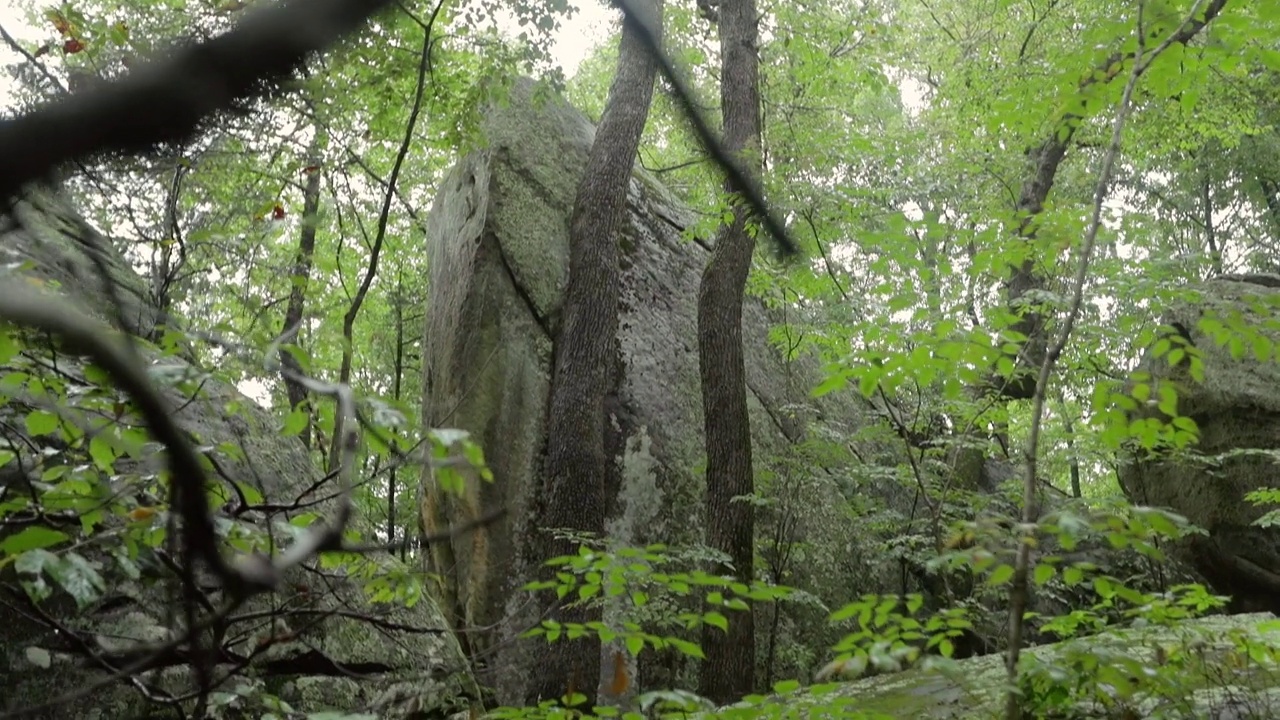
(1206,207)
(727,673)
(299,278)
(166,269)
(586,351)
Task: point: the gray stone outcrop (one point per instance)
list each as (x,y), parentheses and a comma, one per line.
(1237,411)
(498,243)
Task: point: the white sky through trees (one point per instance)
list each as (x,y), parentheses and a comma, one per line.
(576,39)
(573,42)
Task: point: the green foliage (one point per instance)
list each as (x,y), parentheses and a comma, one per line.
(897,141)
(889,638)
(653,594)
(1262,497)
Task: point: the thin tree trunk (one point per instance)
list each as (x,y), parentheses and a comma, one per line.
(728,672)
(167,270)
(299,279)
(397,384)
(1043,163)
(586,354)
(375,252)
(1206,206)
(1074,462)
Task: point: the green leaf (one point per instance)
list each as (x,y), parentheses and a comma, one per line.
(635,643)
(1161,347)
(687,648)
(39,422)
(1044,573)
(72,573)
(832,383)
(9,347)
(295,422)
(786,686)
(32,538)
(1002,574)
(39,657)
(251,494)
(104,456)
(1262,348)
(715,619)
(1104,587)
(1072,575)
(868,383)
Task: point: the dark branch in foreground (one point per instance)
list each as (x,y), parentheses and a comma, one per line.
(165,100)
(750,189)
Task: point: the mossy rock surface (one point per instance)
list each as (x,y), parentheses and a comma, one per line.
(1232,670)
(498,255)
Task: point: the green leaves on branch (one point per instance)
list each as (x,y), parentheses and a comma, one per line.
(640,586)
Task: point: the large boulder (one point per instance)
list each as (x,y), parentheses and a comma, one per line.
(1143,671)
(498,258)
(100,601)
(1234,324)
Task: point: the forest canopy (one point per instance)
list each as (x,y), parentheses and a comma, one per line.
(1014,264)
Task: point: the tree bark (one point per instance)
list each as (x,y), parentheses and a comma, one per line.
(728,672)
(586,353)
(299,278)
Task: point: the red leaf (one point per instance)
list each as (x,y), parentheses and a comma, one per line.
(310,169)
(277,212)
(72,46)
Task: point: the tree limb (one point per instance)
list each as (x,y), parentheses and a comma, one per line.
(166,99)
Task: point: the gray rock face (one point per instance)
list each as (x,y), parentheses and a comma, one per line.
(498,254)
(1237,407)
(306,645)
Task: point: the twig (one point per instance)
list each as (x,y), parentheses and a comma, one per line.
(22,305)
(137,666)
